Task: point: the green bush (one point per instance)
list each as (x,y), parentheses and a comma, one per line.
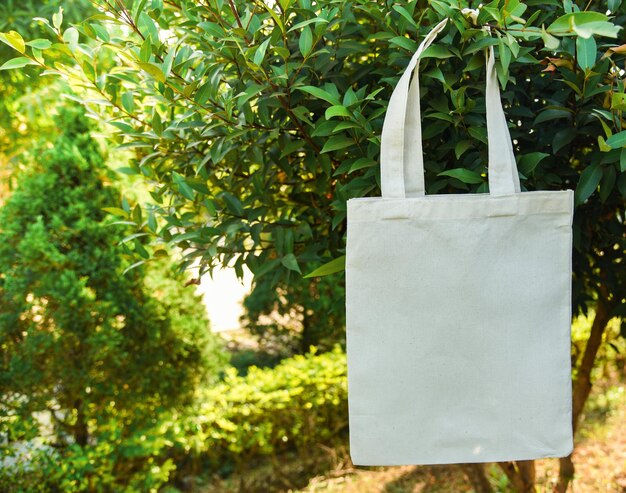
(300,402)
(93,356)
(116,461)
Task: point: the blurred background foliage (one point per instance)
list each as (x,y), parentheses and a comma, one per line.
(237,131)
(26,97)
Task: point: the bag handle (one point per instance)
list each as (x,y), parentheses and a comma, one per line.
(401,155)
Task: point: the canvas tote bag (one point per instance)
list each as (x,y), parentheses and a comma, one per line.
(458,307)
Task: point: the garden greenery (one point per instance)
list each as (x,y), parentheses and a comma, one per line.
(254,122)
(88,356)
(296,406)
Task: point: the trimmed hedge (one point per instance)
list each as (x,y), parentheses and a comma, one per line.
(297,404)
(300,402)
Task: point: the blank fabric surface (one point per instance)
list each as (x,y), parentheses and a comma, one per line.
(458,307)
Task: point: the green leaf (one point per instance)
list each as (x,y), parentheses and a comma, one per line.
(305,42)
(404,13)
(116,211)
(259,55)
(404,42)
(332,267)
(128,102)
(133,266)
(307,22)
(437,51)
(622,160)
(153,70)
(584,24)
(124,127)
(148,28)
(597,28)
(18,62)
(550,42)
(337,142)
(70,36)
(157,124)
(618,140)
(463,174)
(337,110)
(320,94)
(505,55)
(589,181)
(233,203)
(552,114)
(361,163)
(618,101)
(586,50)
(40,44)
(564,24)
(101,32)
(291,262)
(184,189)
(57,19)
(603,145)
(528,162)
(146,50)
(461,147)
(562,138)
(14,40)
(203,93)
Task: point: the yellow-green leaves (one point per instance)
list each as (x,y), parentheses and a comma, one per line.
(39,44)
(332,267)
(70,36)
(57,19)
(18,62)
(14,40)
(153,70)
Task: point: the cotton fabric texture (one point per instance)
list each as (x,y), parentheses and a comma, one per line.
(458,306)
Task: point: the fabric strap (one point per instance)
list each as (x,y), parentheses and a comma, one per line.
(401,158)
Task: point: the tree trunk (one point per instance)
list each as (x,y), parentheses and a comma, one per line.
(477,476)
(81,431)
(521,474)
(582,385)
(527,473)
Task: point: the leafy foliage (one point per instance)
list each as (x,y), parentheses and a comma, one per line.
(96,353)
(297,314)
(27,97)
(300,402)
(257,123)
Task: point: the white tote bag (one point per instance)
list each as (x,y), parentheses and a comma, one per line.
(458,307)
